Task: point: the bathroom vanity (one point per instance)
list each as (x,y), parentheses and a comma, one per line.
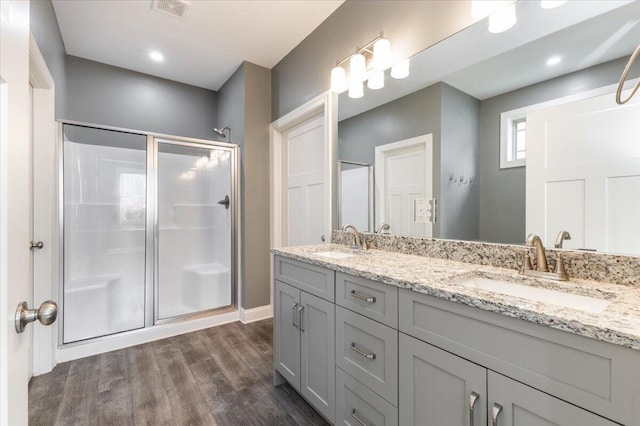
(383,338)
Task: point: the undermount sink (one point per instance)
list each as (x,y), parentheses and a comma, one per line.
(335,254)
(536,294)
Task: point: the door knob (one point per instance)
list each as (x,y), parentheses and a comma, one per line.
(36,245)
(46,314)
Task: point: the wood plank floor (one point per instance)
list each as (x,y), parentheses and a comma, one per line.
(218,376)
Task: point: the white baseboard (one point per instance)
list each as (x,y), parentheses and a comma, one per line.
(255,314)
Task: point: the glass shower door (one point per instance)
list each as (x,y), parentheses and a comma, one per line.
(104,198)
(195,220)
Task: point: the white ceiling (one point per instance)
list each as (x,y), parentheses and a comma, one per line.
(204,49)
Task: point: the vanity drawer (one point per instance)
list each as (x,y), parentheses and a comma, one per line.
(585,372)
(357,404)
(368,351)
(310,278)
(372,299)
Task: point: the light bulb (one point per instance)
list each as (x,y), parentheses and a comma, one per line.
(357,69)
(400,69)
(376,80)
(503,19)
(382,54)
(550,4)
(356,90)
(338,80)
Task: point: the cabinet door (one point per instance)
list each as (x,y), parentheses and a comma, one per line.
(287,335)
(522,405)
(317,331)
(436,387)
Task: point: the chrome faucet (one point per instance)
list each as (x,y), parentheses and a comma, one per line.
(358,243)
(542,269)
(562,235)
(382,227)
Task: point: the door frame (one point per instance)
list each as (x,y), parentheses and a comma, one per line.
(381,152)
(45,261)
(326,105)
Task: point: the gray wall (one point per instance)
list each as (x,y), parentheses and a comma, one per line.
(407,117)
(453,118)
(502,192)
(46,32)
(103,94)
(256,183)
(244,104)
(410,26)
(459,203)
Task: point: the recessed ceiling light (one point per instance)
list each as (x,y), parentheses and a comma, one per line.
(554,60)
(156,56)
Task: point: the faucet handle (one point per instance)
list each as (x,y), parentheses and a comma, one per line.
(526,262)
(560,271)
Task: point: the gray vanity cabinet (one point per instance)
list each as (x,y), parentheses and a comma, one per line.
(304,338)
(286,343)
(439,388)
(513,404)
(317,353)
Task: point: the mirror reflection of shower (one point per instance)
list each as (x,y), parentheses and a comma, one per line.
(220,133)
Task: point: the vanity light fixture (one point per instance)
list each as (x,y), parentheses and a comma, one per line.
(156,56)
(400,69)
(376,79)
(501,13)
(367,63)
(503,19)
(356,90)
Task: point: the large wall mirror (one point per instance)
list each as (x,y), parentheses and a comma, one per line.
(511,133)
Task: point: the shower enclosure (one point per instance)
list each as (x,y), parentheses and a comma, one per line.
(148,230)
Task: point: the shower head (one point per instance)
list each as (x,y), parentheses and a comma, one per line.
(220,132)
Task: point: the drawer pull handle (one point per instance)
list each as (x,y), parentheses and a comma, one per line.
(364,354)
(356,418)
(495,412)
(300,318)
(473,398)
(294,315)
(368,299)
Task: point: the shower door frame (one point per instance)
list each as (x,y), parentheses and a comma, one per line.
(233,197)
(151,319)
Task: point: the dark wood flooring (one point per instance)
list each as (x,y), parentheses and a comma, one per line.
(218,376)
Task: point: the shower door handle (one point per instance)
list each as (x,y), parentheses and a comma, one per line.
(225,202)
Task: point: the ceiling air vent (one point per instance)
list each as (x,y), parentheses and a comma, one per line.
(176,8)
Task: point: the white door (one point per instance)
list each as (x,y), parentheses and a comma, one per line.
(583,174)
(15,226)
(305,213)
(404,173)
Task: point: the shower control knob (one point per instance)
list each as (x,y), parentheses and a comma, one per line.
(46,314)
(36,245)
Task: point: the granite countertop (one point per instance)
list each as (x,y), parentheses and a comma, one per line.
(619,323)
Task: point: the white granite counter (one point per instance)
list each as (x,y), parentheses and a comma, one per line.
(619,323)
